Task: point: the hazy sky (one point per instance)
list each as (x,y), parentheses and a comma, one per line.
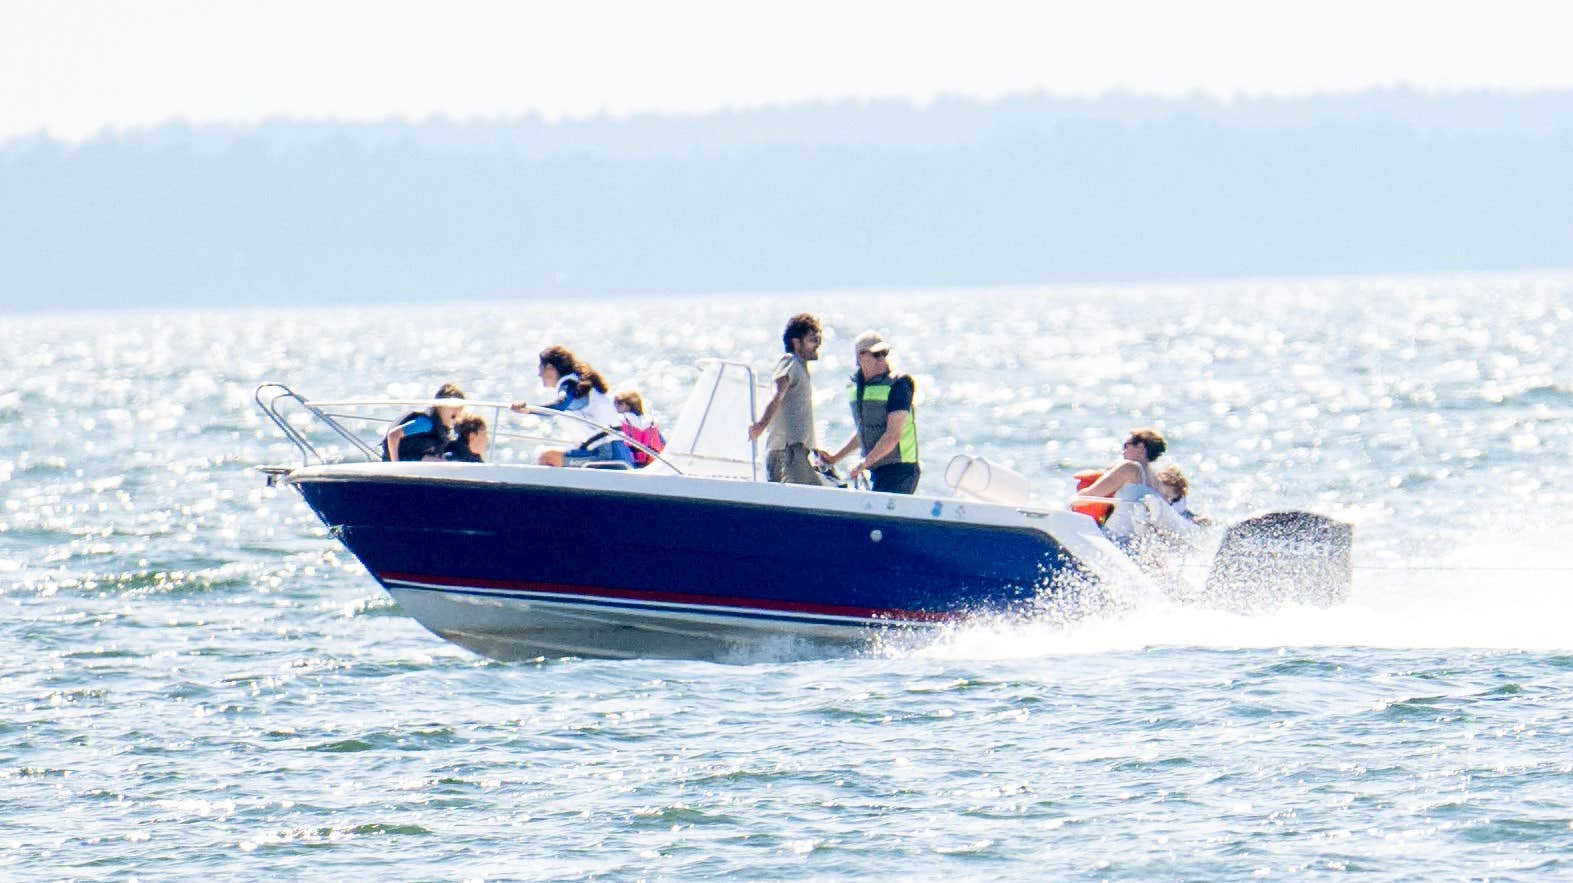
(75,68)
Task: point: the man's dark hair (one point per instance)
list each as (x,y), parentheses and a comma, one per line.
(799,327)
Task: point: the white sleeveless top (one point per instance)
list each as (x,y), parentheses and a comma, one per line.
(602,409)
(1122,521)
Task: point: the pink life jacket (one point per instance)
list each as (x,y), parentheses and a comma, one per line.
(649,435)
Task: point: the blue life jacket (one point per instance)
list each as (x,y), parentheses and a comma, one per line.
(423,437)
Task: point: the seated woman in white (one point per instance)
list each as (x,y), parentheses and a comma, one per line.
(1128,481)
(582,391)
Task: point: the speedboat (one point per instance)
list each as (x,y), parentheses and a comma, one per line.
(692,556)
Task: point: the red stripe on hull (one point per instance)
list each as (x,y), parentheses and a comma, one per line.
(673,597)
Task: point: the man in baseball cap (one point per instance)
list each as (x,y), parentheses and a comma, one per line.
(883,415)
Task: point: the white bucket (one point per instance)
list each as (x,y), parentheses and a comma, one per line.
(978,478)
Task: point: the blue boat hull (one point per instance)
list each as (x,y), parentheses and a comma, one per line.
(518,570)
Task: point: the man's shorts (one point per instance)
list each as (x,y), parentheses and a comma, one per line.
(605,452)
(895,478)
(791,466)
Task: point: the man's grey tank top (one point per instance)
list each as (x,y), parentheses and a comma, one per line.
(793,423)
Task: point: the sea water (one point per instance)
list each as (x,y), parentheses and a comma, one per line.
(198,681)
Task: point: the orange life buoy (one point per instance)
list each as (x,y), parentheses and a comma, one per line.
(1098,512)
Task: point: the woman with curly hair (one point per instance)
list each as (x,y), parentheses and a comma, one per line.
(1127,481)
(582,391)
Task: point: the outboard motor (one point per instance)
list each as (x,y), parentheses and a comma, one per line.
(1282,556)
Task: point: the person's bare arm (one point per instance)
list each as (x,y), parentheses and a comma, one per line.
(895,421)
(395,435)
(1110,481)
(849,447)
(758,429)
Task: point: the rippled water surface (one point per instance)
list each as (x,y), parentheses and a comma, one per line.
(198,681)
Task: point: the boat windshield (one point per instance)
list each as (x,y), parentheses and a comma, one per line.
(710,436)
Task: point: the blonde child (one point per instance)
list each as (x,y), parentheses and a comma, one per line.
(639,426)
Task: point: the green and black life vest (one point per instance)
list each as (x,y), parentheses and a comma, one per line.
(869,399)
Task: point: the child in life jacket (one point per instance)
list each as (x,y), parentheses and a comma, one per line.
(424,435)
(639,426)
(473,439)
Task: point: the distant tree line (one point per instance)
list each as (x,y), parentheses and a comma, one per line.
(1030,189)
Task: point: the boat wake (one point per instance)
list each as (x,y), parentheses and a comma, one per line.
(1506,594)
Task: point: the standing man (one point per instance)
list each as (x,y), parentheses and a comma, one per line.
(882,415)
(790,413)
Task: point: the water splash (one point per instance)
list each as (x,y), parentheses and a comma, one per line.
(1499,593)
